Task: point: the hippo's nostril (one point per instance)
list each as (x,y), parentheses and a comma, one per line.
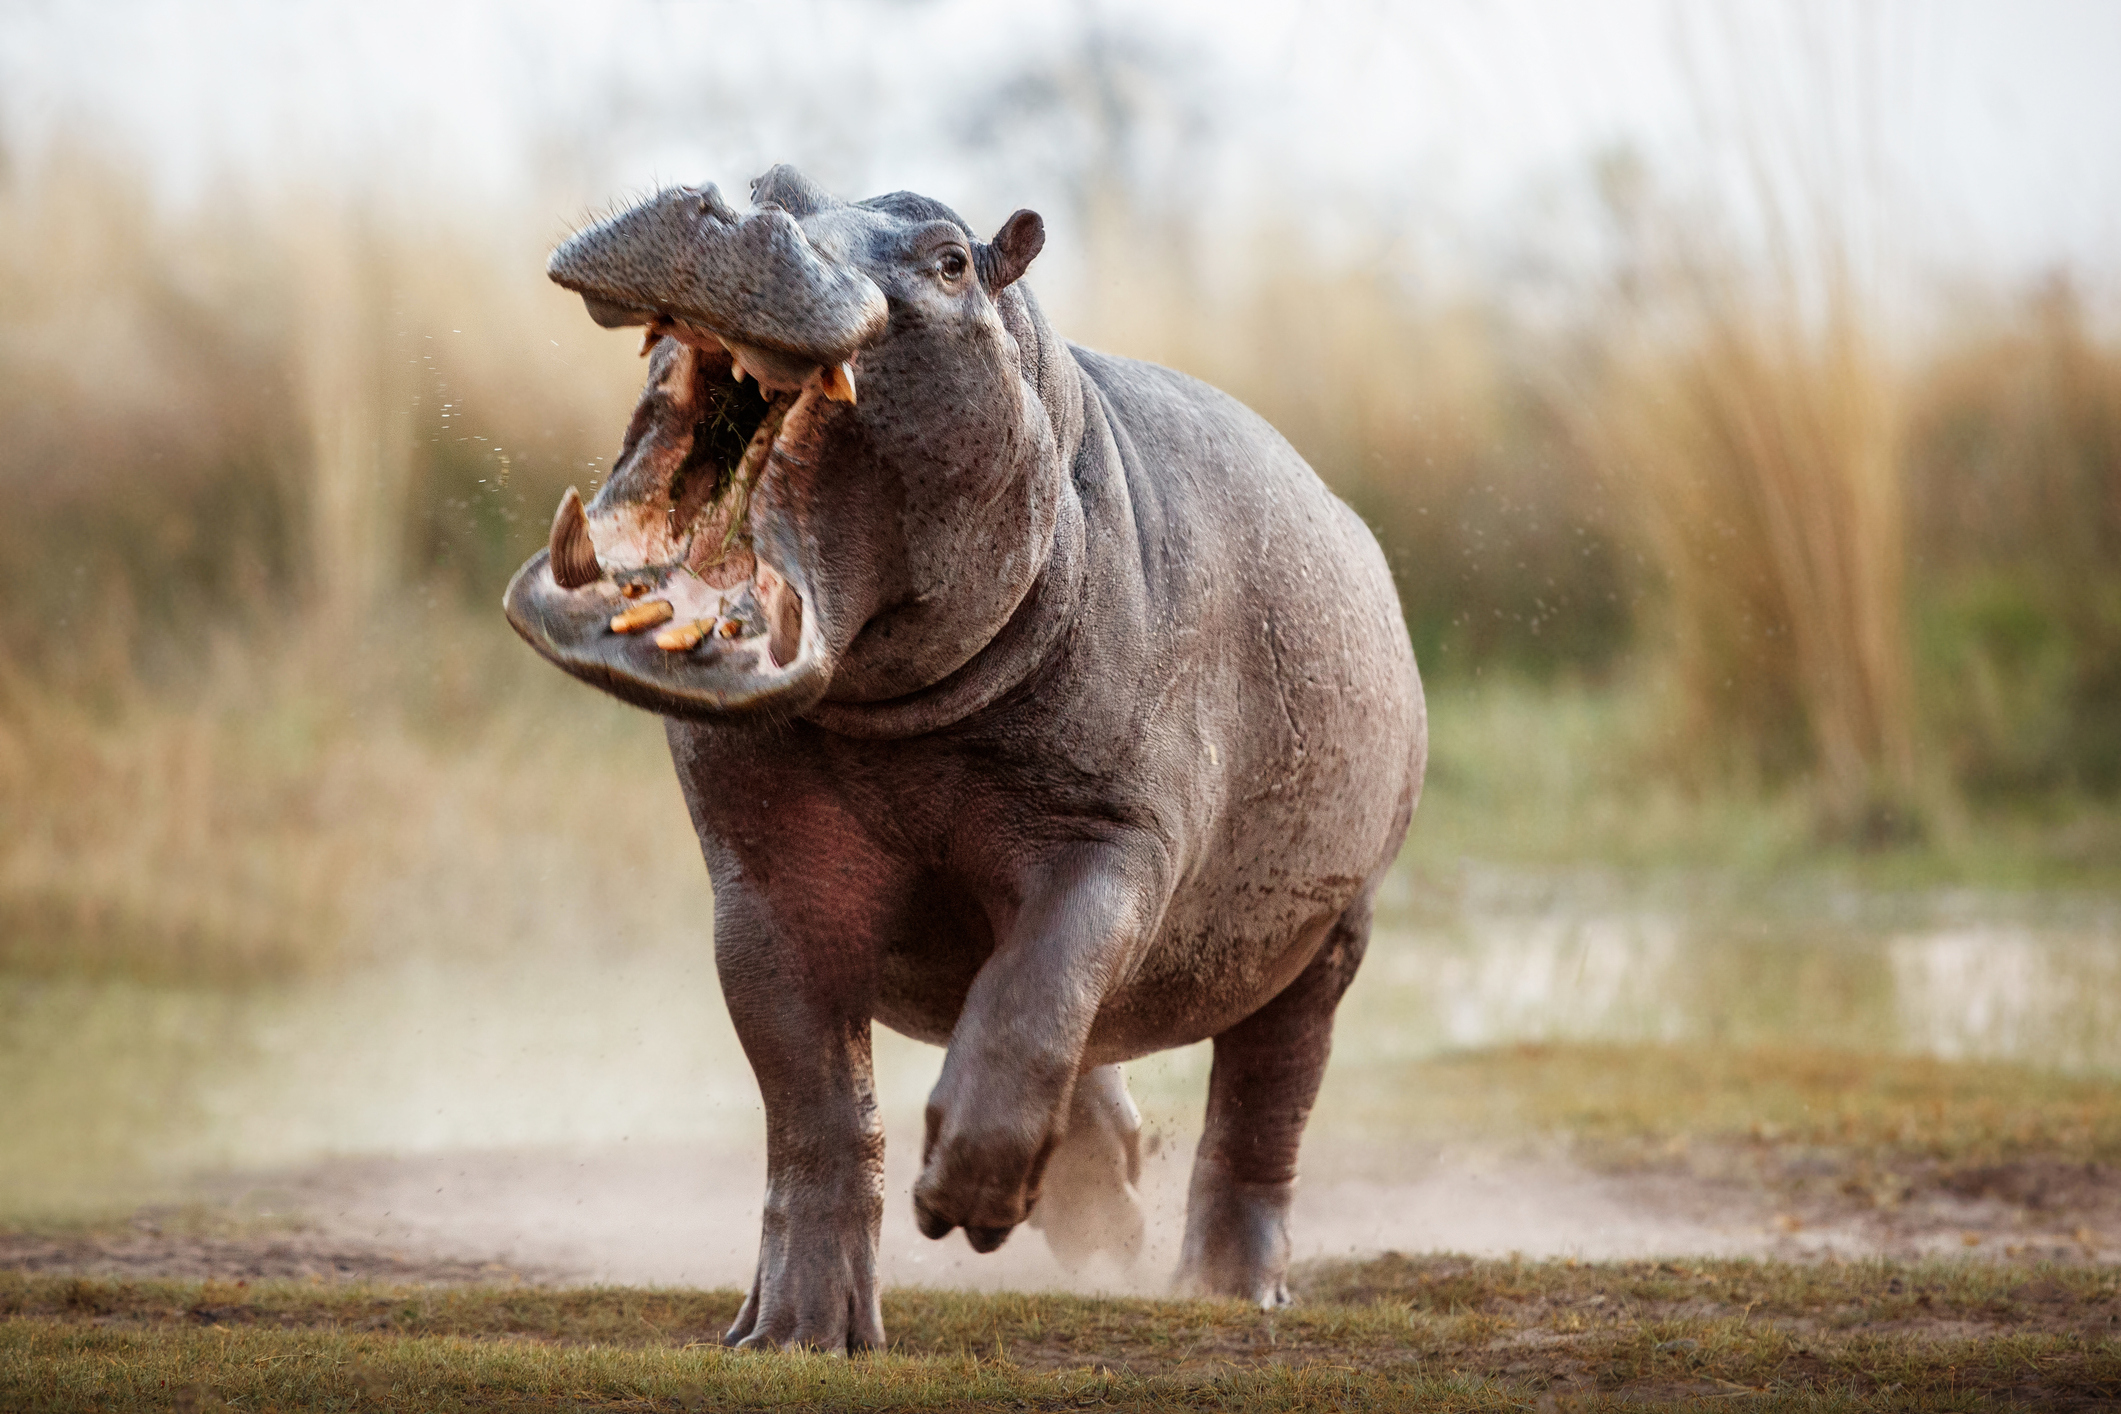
(574,559)
(986,1239)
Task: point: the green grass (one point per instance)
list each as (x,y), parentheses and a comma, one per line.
(1443,1333)
(1567,775)
(1393,1332)
(1622,1098)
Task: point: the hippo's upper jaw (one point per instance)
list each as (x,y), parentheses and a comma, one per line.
(758,520)
(684,262)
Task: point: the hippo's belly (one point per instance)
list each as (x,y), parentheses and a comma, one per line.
(1282,824)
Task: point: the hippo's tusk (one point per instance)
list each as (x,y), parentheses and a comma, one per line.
(736,368)
(643,615)
(784,615)
(839,382)
(574,559)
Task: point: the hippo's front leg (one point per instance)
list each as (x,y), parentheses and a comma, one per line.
(802,1012)
(1002,1102)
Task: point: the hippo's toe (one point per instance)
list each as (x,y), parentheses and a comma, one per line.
(986,1239)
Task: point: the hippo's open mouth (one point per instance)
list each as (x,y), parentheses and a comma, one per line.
(663,591)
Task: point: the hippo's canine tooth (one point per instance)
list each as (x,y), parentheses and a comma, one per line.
(681,637)
(643,615)
(574,559)
(839,382)
(736,368)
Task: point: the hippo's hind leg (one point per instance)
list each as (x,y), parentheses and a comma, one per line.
(1266,1074)
(1088,1202)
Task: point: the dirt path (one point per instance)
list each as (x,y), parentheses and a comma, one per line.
(643,1215)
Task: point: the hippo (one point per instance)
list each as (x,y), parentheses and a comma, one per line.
(1040,704)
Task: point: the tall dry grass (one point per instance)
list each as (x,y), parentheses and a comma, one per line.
(1427,414)
(312,396)
(267,466)
(1760,452)
(312,802)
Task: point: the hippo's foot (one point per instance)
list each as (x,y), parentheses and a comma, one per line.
(1013,1085)
(1237,1239)
(984,1160)
(985,1184)
(816,1284)
(1089,1202)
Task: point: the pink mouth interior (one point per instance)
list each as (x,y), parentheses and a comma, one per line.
(686,543)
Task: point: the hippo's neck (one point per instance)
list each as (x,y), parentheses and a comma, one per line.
(1015,652)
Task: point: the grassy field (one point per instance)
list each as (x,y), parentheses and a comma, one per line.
(1436,1333)
(1618,1101)
(1819,1137)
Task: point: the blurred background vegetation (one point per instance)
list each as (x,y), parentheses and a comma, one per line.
(1711,552)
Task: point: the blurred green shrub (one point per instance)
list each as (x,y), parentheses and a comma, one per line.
(2014,468)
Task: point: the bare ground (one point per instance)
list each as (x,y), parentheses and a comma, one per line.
(642,1215)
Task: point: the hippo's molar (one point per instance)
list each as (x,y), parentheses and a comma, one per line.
(646,614)
(683,637)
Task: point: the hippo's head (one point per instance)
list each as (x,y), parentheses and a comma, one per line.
(831,486)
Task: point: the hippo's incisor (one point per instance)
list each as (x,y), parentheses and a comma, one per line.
(1040,704)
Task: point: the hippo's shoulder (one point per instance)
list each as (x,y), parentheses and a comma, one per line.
(1189,449)
(1157,403)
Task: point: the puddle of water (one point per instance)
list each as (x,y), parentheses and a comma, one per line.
(105,1082)
(1959,977)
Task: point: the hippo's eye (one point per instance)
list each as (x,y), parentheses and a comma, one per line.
(951,264)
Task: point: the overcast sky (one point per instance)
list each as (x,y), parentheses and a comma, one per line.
(1989,133)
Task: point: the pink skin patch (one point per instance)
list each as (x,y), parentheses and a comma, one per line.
(704,566)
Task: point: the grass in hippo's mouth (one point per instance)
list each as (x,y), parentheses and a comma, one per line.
(1440,1333)
(731,415)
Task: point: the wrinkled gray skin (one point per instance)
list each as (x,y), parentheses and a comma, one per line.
(1088,728)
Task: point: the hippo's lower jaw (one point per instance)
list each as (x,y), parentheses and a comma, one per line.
(683,671)
(659,598)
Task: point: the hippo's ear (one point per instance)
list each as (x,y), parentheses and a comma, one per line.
(1006,257)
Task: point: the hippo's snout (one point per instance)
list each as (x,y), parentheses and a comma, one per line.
(684,260)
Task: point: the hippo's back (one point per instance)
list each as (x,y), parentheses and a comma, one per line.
(1291,715)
